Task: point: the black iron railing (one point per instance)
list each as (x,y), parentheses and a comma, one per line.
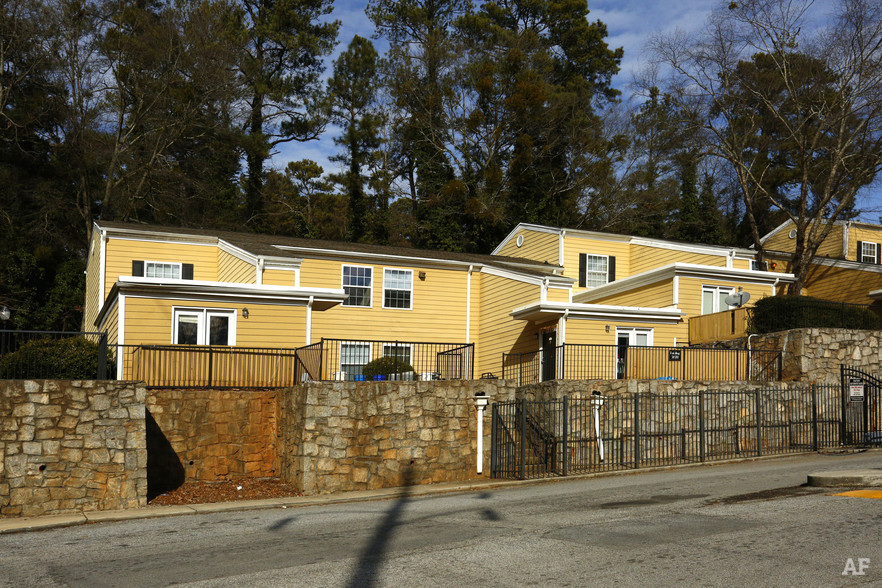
(356,360)
(609,362)
(62,355)
(630,431)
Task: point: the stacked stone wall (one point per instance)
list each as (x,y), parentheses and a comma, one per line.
(341,436)
(211,435)
(814,355)
(71,446)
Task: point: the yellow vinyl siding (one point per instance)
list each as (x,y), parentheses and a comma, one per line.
(111,325)
(593,331)
(780,241)
(276,277)
(657,295)
(690,292)
(93,283)
(437,313)
(558,295)
(842,284)
(149,322)
(232,269)
(644,258)
(121,252)
(831,247)
(575,245)
(499,332)
(856,234)
(538,245)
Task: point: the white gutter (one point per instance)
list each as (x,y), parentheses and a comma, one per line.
(309,320)
(468,304)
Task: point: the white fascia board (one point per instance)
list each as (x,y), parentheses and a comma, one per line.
(685,270)
(718,250)
(159,236)
(165,287)
(525,226)
(237,252)
(776,230)
(554,281)
(846,264)
(875,294)
(550,310)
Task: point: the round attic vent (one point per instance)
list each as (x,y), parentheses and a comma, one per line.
(792,234)
(520,240)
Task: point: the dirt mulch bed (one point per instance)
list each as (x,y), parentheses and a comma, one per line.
(225,491)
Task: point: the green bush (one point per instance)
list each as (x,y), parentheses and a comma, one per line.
(780,313)
(72,358)
(384,366)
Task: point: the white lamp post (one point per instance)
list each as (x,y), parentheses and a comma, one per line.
(481,402)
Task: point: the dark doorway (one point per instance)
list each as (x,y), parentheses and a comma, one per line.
(622,342)
(549,348)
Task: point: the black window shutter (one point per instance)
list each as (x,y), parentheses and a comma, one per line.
(860,251)
(583,267)
(187,271)
(878,254)
(137,268)
(612,269)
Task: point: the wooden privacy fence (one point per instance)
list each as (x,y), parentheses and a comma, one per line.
(719,326)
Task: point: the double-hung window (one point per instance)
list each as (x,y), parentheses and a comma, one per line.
(158,269)
(357,283)
(353,357)
(713,298)
(397,288)
(596,270)
(869,252)
(204,326)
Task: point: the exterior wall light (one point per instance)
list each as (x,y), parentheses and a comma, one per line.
(422,275)
(245,313)
(5,313)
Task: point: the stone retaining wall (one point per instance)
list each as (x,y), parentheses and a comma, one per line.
(71,446)
(340,436)
(211,435)
(814,355)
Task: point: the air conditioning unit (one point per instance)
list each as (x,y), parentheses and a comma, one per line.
(340,376)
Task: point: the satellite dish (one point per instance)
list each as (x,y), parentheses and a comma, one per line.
(738,299)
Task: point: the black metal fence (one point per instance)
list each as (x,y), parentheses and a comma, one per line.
(609,362)
(532,439)
(346,359)
(54,354)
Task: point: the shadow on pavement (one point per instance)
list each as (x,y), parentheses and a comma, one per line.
(368,567)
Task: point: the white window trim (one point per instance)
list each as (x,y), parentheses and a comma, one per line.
(632,333)
(875,253)
(392,346)
(370,289)
(605,273)
(398,269)
(353,343)
(717,290)
(178,265)
(202,329)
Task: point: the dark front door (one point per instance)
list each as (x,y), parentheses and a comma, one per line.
(622,343)
(549,346)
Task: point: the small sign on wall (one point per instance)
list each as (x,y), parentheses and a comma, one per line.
(674,354)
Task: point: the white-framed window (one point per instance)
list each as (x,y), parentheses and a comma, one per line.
(401,351)
(397,288)
(596,270)
(358,283)
(869,252)
(634,336)
(203,326)
(353,357)
(713,298)
(162,269)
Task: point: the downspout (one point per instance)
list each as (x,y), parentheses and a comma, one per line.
(468,330)
(102,271)
(309,320)
(261,262)
(845,239)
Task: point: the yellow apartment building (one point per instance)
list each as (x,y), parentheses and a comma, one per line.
(443,314)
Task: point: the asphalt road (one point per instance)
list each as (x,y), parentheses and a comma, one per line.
(747,524)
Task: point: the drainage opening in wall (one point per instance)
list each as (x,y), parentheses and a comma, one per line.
(42,468)
(191,462)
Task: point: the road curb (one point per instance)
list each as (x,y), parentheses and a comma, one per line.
(863,478)
(17,525)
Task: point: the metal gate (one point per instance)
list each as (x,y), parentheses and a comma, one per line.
(861,407)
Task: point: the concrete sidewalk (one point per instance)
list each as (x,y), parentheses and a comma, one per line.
(19,524)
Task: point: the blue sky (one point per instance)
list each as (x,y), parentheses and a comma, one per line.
(629,23)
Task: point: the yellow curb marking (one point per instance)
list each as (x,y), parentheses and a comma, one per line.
(862,494)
